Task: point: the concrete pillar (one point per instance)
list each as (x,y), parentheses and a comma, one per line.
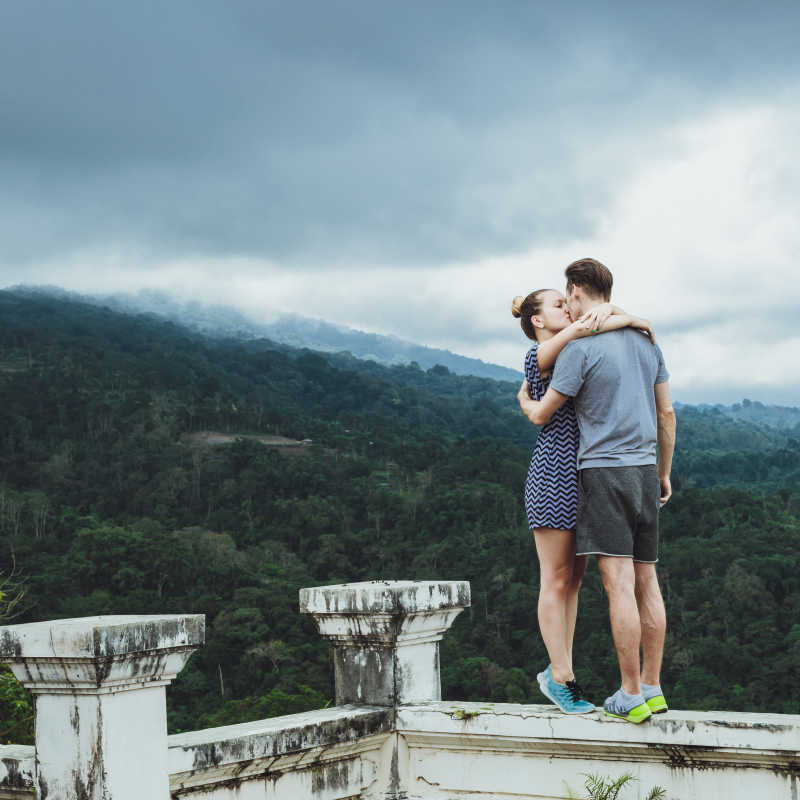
(386,636)
(99,692)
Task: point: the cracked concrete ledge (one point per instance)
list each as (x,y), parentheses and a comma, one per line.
(101,637)
(681,738)
(385,597)
(534,751)
(252,748)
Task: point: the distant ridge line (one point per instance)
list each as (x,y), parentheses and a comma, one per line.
(293,330)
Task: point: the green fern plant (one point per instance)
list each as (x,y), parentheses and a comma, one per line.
(599,787)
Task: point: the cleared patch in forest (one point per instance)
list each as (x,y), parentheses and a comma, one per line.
(284,444)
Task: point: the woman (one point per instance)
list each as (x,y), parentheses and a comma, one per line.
(551,489)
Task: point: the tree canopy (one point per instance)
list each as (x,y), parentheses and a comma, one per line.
(112,502)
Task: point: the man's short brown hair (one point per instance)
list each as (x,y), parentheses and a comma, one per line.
(592,276)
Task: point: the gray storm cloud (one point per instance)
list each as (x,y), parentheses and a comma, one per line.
(407,168)
(324,133)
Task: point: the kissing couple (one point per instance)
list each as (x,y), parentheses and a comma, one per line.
(596,384)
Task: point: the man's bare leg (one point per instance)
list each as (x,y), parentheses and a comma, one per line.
(619,581)
(653,619)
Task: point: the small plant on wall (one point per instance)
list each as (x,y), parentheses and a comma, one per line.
(598,787)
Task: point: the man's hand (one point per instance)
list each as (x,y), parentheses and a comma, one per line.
(665,416)
(524,396)
(540,412)
(666,491)
(529,406)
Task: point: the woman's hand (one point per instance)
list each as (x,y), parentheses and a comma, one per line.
(592,320)
(644,325)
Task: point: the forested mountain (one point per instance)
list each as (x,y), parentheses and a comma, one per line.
(784,417)
(145,468)
(294,330)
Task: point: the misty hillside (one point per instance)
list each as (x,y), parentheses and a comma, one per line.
(296,331)
(289,329)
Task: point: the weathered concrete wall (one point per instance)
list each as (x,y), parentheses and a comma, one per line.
(488,750)
(99,685)
(440,751)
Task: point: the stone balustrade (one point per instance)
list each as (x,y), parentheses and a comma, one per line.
(390,736)
(385,636)
(98,686)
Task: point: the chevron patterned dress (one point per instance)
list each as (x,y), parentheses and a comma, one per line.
(551,490)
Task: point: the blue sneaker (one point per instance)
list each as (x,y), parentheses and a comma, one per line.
(566,696)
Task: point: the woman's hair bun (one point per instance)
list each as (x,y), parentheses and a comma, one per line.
(516,305)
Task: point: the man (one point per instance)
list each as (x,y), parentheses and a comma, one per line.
(621,394)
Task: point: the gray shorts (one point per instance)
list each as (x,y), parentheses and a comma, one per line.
(618,512)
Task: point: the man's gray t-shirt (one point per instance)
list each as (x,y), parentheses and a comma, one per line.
(611,377)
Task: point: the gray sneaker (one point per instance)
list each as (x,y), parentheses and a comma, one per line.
(630,707)
(654,698)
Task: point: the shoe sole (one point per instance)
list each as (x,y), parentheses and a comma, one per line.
(658,705)
(542,687)
(636,715)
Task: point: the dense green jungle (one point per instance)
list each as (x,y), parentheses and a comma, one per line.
(111,501)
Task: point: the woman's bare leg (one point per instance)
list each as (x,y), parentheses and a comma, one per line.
(571,611)
(560,579)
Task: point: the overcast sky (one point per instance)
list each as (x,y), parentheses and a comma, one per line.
(408,167)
